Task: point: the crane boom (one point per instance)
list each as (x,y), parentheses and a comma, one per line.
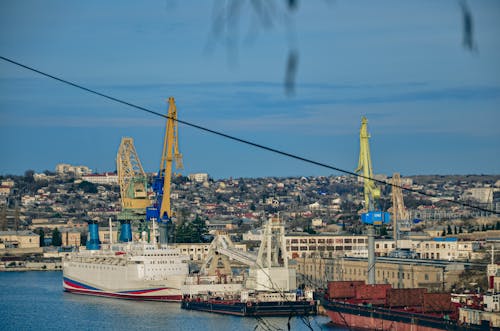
(131,177)
(371,192)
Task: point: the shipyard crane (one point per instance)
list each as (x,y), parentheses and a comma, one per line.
(268,269)
(371,216)
(398,210)
(131,177)
(133,186)
(161,210)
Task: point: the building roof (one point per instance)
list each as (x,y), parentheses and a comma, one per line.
(18,233)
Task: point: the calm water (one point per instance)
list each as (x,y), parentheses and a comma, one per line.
(35,301)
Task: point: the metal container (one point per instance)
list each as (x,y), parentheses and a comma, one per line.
(438,303)
(343,289)
(372,291)
(405,297)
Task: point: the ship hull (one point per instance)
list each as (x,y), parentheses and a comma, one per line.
(143,293)
(367,318)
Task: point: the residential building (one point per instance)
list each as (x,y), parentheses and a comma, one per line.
(450,249)
(63,169)
(196,251)
(198,177)
(8,182)
(20,239)
(107,178)
(70,237)
(253,235)
(306,245)
(480,194)
(104,235)
(4,190)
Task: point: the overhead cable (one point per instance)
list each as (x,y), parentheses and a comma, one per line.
(243,141)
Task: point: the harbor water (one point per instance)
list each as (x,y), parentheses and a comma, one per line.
(35,301)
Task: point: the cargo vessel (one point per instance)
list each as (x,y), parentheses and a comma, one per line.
(261,304)
(355,316)
(133,270)
(356,305)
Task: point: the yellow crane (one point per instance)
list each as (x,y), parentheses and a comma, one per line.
(370,217)
(161,211)
(371,192)
(132,178)
(170,151)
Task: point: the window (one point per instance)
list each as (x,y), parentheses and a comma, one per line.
(426,276)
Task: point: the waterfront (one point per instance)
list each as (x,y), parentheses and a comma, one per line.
(35,300)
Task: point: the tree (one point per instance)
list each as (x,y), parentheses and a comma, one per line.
(56,238)
(87,187)
(83,239)
(41,233)
(443,234)
(448,229)
(383,231)
(28,176)
(191,232)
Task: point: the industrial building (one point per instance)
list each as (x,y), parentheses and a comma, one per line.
(400,273)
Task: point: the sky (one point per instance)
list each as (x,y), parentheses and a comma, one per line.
(433,104)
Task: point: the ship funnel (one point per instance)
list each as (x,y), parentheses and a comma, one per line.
(93,238)
(125,231)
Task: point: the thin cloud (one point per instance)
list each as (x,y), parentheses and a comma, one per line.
(81,122)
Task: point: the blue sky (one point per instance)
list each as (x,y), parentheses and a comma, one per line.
(433,106)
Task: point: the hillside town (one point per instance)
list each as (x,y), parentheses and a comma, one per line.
(44,214)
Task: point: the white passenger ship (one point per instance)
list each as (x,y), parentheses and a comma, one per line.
(134,270)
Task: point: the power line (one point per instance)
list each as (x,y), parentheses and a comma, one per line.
(240,140)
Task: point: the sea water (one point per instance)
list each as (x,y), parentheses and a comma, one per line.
(35,300)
